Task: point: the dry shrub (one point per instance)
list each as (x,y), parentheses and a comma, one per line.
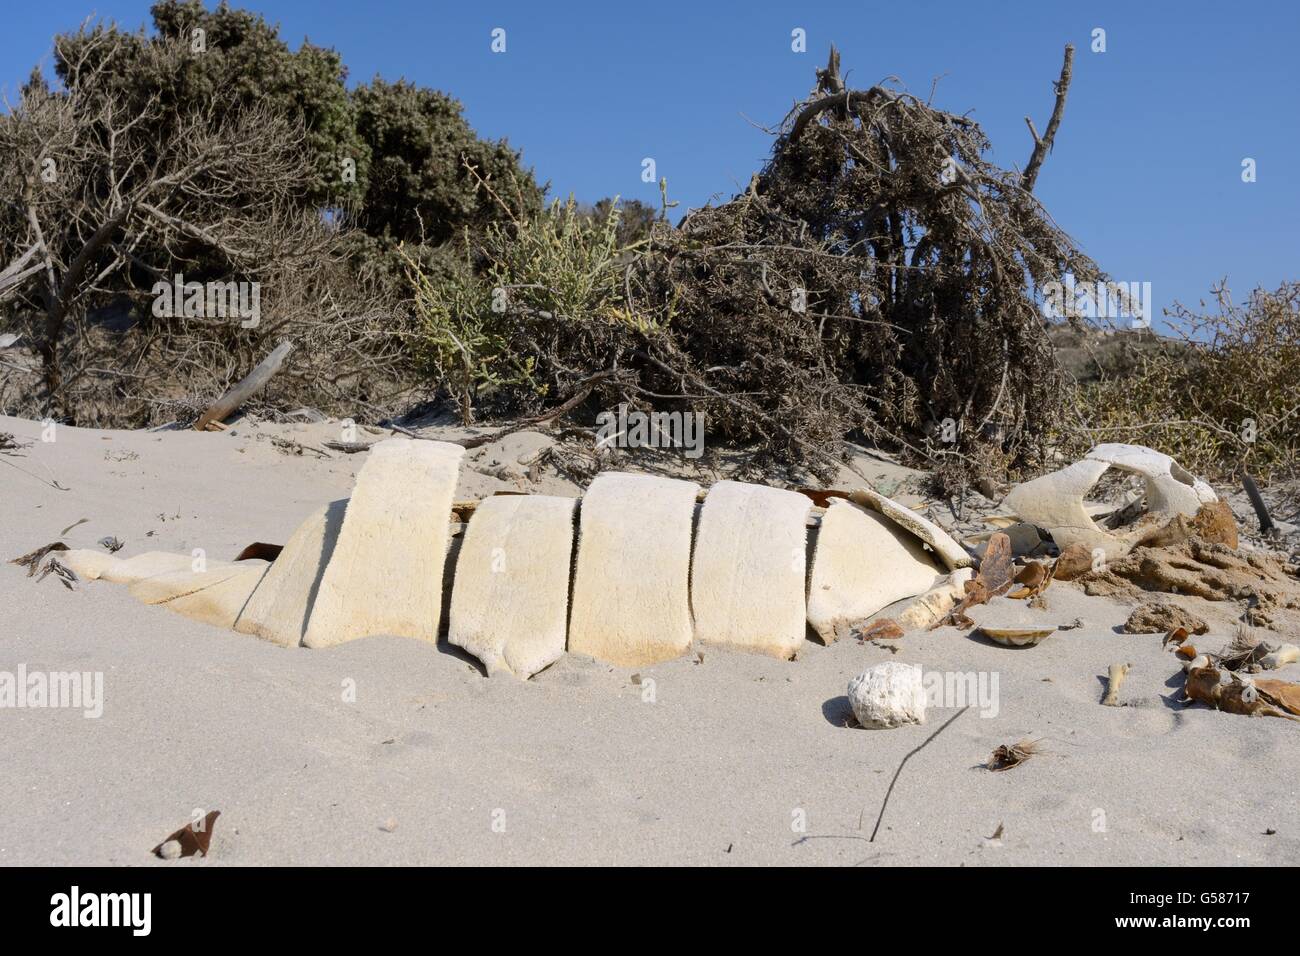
(876,280)
(1220,396)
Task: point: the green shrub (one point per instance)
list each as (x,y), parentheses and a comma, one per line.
(1221,396)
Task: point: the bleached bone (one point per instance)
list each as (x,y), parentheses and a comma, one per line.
(280,608)
(1170,487)
(952,554)
(631,586)
(1282,655)
(385,575)
(1055,503)
(1114,681)
(934,604)
(750,567)
(510,599)
(861,564)
(102,566)
(377,564)
(215,596)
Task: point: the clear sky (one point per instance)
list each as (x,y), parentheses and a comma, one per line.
(1146,172)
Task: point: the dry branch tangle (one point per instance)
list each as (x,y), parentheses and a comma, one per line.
(654,570)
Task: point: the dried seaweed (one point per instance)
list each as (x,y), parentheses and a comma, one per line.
(1009,756)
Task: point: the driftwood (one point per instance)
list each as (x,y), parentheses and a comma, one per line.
(253,381)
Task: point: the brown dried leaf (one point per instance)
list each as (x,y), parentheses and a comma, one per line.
(191,838)
(886,629)
(259,549)
(994,578)
(32,559)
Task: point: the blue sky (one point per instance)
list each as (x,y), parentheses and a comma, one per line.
(1146,172)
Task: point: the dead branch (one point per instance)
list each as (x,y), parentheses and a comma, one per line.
(1043,145)
(250,384)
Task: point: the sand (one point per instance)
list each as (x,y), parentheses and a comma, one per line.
(391,751)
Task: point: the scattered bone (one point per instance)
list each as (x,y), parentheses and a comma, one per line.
(1025,539)
(1170,487)
(631,603)
(1115,680)
(1055,502)
(216,596)
(510,599)
(846,588)
(749,570)
(940,542)
(888,695)
(385,574)
(1015,636)
(280,608)
(1252,697)
(932,606)
(1281,656)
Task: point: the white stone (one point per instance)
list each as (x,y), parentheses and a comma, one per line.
(888,695)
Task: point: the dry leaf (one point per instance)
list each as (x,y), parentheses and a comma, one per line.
(32,559)
(886,629)
(258,549)
(192,839)
(67,577)
(74,524)
(994,578)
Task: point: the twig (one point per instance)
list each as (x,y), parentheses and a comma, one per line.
(884,803)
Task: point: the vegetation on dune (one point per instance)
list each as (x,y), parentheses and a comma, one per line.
(1220,396)
(878,281)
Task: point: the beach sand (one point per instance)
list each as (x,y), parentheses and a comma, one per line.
(391,751)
